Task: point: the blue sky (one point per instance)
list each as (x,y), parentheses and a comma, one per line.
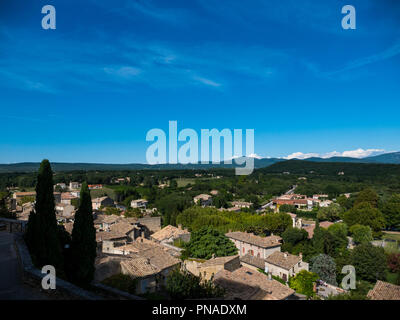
(91,89)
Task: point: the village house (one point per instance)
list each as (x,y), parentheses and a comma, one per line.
(61,185)
(214,192)
(103,221)
(151,223)
(261,247)
(67,197)
(139,203)
(296,222)
(74,185)
(284,265)
(65,210)
(207,269)
(95,186)
(20,195)
(102,202)
(149,268)
(384,291)
(170,234)
(320,196)
(247,284)
(241,204)
(203,200)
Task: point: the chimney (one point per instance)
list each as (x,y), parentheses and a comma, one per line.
(285,254)
(272,234)
(269,276)
(213,256)
(301,256)
(179,226)
(142,234)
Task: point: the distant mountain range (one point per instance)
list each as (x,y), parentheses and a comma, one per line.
(387,158)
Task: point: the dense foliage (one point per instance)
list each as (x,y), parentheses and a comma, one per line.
(303,282)
(369,262)
(42,231)
(83,242)
(325,267)
(208,242)
(184,285)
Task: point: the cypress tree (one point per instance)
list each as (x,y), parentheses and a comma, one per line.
(42,233)
(83,243)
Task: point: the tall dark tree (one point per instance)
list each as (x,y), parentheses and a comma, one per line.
(83,242)
(369,261)
(42,233)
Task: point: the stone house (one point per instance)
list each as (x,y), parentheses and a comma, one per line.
(203,199)
(102,202)
(247,284)
(171,233)
(150,268)
(284,265)
(248,243)
(209,268)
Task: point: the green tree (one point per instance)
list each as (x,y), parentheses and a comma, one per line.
(318,238)
(303,282)
(391,212)
(325,267)
(361,234)
(367,195)
(184,285)
(173,184)
(339,230)
(206,242)
(277,223)
(369,262)
(344,202)
(83,242)
(294,235)
(365,214)
(42,234)
(331,213)
(4,212)
(287,208)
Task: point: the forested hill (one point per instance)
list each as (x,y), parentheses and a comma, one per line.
(275,163)
(334,168)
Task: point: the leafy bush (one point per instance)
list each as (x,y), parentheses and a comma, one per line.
(184,285)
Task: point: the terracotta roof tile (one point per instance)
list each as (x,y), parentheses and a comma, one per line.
(283,259)
(384,291)
(248,284)
(263,242)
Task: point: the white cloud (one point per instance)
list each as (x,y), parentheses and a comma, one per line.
(254,155)
(301,155)
(124,72)
(358,153)
(361,153)
(207,82)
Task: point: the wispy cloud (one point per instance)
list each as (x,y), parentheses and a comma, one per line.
(390,52)
(207,82)
(357,153)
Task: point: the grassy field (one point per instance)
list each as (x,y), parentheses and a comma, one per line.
(392,236)
(183,182)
